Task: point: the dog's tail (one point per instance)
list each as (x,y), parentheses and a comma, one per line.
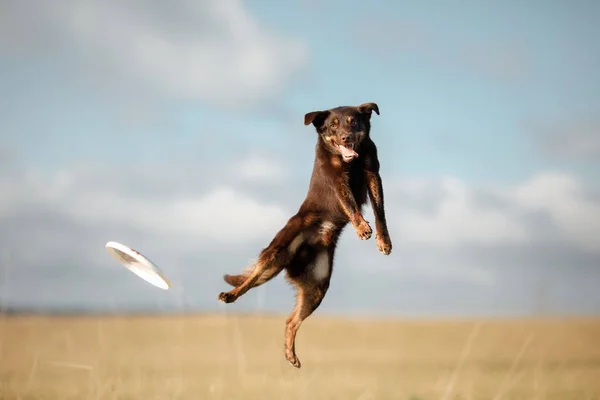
(237,280)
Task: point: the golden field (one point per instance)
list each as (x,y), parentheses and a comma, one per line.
(241,357)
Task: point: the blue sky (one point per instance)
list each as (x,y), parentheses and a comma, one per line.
(151,132)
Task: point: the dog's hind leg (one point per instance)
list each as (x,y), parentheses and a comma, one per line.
(271,261)
(312,285)
(263,271)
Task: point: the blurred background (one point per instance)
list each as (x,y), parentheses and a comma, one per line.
(177,129)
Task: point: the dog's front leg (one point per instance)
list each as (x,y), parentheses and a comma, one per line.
(348,204)
(375,189)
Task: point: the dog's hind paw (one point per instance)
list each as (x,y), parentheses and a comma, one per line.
(293,359)
(227,297)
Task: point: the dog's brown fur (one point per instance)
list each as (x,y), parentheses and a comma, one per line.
(338,190)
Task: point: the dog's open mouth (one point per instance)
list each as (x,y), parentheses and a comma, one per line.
(347,152)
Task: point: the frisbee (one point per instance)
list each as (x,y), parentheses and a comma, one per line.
(138,264)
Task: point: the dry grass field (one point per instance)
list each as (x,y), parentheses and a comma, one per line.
(240,357)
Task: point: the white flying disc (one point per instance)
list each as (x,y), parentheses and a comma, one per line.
(138,264)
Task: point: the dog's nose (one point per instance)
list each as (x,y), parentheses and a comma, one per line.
(345,138)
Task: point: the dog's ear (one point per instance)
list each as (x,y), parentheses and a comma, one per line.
(368,108)
(317,118)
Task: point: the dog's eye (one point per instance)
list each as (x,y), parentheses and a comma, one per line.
(353,123)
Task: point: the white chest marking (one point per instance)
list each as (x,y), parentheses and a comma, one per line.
(326,228)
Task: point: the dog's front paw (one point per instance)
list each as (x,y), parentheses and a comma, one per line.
(227,297)
(363,230)
(384,244)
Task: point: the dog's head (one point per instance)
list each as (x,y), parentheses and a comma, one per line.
(343,128)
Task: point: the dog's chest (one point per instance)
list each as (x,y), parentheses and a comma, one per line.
(357,182)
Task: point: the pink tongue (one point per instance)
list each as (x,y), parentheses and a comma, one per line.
(346,152)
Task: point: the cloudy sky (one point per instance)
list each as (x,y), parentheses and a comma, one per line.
(176,128)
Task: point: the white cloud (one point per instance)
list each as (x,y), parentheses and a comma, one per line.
(228,216)
(210,50)
(223,214)
(564,199)
(456,219)
(459,217)
(442,213)
(259,168)
(443,230)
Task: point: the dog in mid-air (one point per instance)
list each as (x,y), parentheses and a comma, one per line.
(345,173)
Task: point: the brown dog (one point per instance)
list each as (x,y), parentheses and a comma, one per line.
(346,170)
